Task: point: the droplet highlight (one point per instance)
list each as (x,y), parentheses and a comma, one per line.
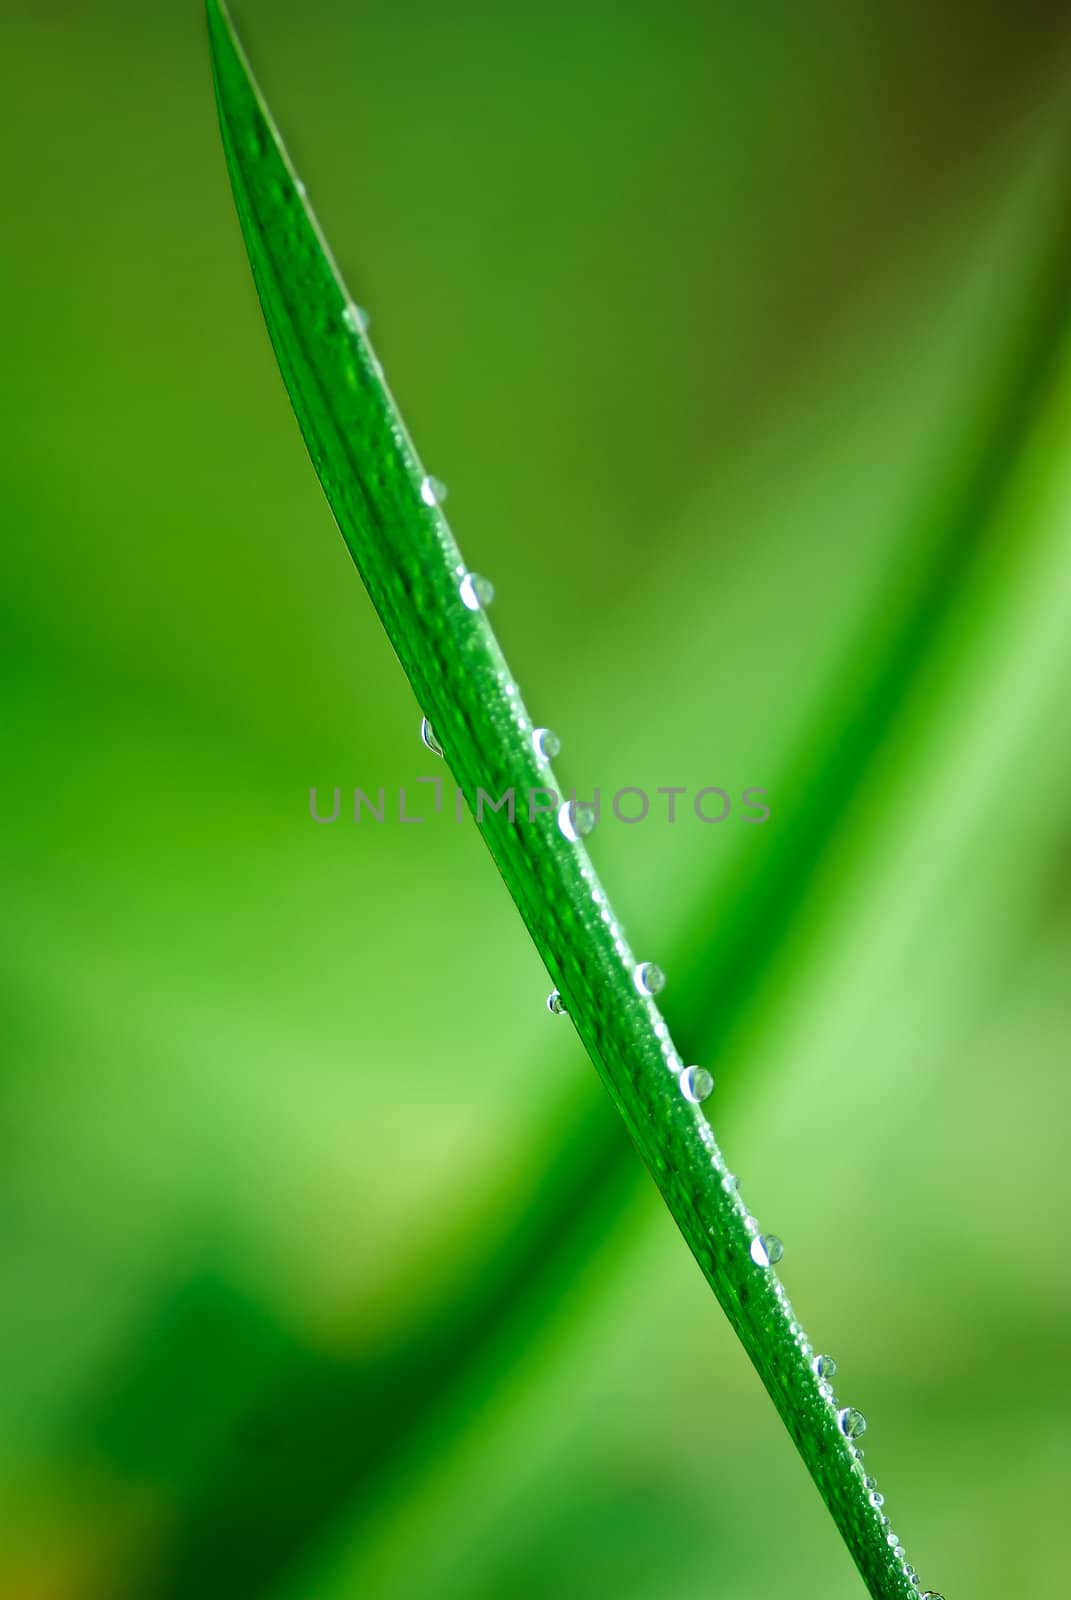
(696,1084)
(475,592)
(433,491)
(546,744)
(555,1003)
(648,978)
(766,1250)
(824,1367)
(851,1423)
(427,734)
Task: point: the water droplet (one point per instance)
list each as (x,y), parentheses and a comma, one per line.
(576,820)
(871,1483)
(766,1250)
(555,1003)
(356,318)
(730,1182)
(824,1367)
(433,492)
(476,592)
(546,744)
(931,1594)
(648,978)
(427,733)
(696,1084)
(851,1422)
(876,1500)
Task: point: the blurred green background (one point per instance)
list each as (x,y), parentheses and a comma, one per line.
(740,335)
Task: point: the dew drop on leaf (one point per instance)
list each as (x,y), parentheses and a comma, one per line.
(576,820)
(427,733)
(851,1423)
(555,1003)
(696,1084)
(648,978)
(766,1250)
(433,492)
(546,744)
(475,592)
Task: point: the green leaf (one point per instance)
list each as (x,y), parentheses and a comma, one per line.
(418,583)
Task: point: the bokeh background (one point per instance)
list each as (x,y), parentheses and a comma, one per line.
(740,335)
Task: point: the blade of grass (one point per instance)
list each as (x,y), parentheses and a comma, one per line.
(938,608)
(413,572)
(317,1511)
(1017,590)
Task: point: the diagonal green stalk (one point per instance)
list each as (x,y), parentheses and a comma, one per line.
(413,571)
(358,1441)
